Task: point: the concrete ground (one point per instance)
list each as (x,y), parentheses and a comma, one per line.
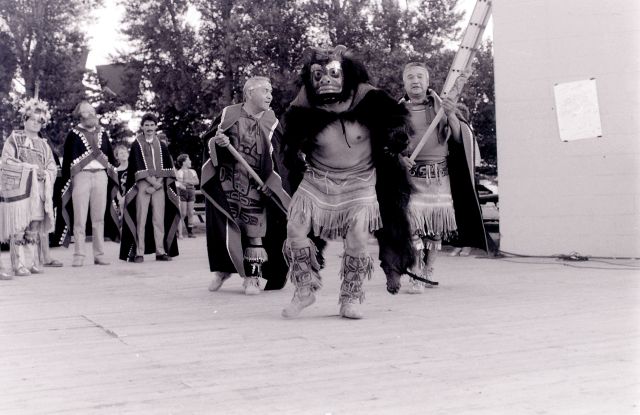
(498,336)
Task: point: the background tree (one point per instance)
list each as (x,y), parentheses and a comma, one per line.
(190,74)
(251,37)
(280,36)
(169,57)
(190,71)
(49,45)
(479,96)
(8,66)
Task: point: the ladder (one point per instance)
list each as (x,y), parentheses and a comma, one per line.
(461,67)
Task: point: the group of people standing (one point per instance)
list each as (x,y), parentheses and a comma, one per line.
(337,167)
(113,196)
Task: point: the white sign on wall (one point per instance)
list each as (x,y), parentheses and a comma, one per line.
(577,110)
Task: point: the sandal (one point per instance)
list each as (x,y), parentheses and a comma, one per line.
(53,263)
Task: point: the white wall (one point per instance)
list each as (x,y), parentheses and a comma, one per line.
(558,197)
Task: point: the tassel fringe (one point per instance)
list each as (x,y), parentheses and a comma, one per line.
(433,222)
(255,254)
(333,224)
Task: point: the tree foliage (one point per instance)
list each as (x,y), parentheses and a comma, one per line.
(191,71)
(168,55)
(479,97)
(186,70)
(8,67)
(49,50)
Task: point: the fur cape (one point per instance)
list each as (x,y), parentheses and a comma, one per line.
(77,154)
(138,169)
(388,125)
(225,241)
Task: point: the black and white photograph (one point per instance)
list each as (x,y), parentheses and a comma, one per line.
(322,207)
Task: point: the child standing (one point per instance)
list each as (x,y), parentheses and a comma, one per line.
(121,152)
(187,179)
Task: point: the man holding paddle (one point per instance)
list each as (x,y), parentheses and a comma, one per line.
(243,193)
(444,201)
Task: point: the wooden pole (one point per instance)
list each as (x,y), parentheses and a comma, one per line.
(244,164)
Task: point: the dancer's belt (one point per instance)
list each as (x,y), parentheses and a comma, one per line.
(425,169)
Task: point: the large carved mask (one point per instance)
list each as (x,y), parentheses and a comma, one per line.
(329,76)
(327,80)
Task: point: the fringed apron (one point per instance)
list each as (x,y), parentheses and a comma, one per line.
(333,200)
(431,211)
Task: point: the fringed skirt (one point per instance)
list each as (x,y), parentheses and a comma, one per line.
(431,211)
(21,199)
(333,202)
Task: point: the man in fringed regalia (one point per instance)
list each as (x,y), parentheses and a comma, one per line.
(445,200)
(341,144)
(150,187)
(90,186)
(245,221)
(28,173)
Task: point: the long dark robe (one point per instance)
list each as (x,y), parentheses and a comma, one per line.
(388,125)
(467,208)
(225,241)
(55,237)
(139,169)
(77,154)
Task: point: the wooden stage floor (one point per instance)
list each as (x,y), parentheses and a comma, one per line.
(517,336)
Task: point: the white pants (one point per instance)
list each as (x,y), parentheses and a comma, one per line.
(89,192)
